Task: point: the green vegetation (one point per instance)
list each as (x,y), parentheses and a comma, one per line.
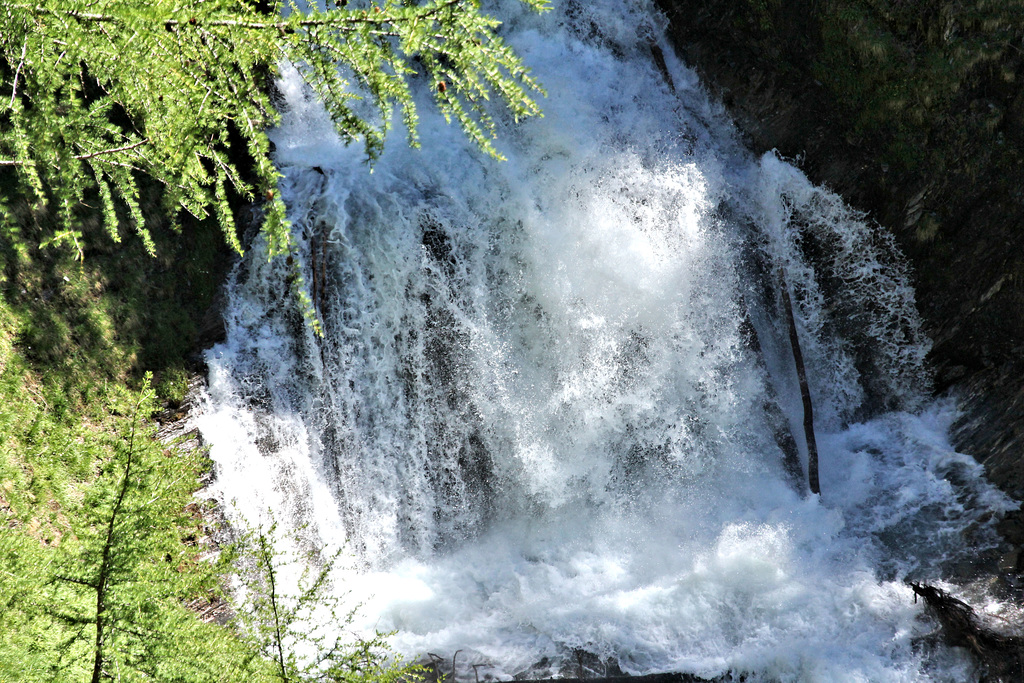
(81,124)
(112,593)
(913,109)
(907,74)
(94,562)
(279,622)
(101,542)
(78,118)
(130,134)
(925,87)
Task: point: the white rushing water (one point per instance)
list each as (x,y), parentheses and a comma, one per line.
(551,406)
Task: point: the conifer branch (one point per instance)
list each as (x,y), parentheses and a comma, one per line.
(201,68)
(83,157)
(103,580)
(17,72)
(360,17)
(71,579)
(114,150)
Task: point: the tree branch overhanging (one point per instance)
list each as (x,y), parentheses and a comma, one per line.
(83,157)
(353,17)
(200,68)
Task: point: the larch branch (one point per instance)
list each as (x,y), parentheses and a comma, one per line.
(17,72)
(337,22)
(83,157)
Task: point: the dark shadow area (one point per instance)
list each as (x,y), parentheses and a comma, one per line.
(118,312)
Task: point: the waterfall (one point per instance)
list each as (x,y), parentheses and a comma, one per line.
(554,406)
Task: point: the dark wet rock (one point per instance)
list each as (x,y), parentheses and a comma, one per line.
(992,428)
(1000,654)
(211,327)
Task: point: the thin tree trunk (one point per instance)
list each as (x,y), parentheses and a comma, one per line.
(102,582)
(97,664)
(268,556)
(805,392)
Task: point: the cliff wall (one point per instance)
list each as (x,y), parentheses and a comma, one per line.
(914,111)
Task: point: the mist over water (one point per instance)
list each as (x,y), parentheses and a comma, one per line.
(551,404)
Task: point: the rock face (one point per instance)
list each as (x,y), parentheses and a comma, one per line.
(914,111)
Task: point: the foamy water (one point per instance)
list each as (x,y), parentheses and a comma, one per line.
(537,421)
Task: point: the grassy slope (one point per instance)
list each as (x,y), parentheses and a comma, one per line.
(75,340)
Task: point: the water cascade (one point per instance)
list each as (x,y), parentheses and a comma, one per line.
(554,407)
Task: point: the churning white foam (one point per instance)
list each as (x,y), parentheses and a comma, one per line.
(551,406)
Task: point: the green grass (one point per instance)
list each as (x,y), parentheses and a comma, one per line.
(79,341)
(76,338)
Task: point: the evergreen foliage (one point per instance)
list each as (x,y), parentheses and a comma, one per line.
(93,568)
(98,559)
(95,94)
(128,537)
(300,631)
